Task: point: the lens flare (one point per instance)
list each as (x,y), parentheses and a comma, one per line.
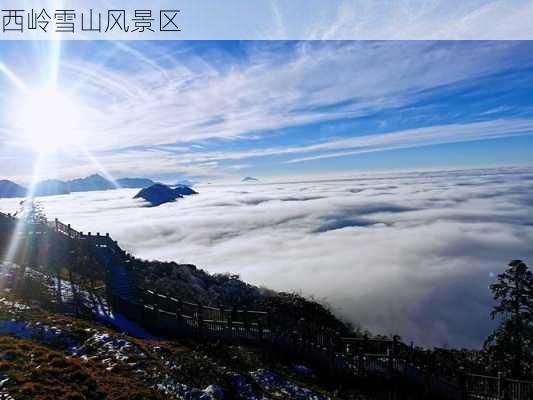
(46,120)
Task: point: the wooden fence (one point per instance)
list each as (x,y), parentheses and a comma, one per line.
(497,388)
(347,357)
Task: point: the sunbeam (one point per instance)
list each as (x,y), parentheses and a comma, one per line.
(54,62)
(100,167)
(18,233)
(50,119)
(47,121)
(14,79)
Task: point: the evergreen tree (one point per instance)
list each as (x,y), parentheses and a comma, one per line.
(32,220)
(32,212)
(510,346)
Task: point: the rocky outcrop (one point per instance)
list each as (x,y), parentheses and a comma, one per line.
(158,194)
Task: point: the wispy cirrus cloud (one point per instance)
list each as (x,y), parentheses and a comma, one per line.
(235,100)
(412,20)
(199,161)
(420,137)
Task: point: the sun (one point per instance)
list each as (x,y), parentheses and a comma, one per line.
(47,121)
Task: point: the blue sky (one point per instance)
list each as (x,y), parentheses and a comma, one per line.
(223,110)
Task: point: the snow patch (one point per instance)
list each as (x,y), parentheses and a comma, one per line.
(37,331)
(109,350)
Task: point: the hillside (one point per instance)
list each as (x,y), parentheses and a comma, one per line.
(74,304)
(51,348)
(188,282)
(48,355)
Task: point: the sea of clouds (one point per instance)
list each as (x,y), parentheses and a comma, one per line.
(407,253)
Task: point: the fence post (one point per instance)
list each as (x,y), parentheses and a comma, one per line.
(220,312)
(503,392)
(179,312)
(268,323)
(429,373)
(200,321)
(245,319)
(363,353)
(157,317)
(389,362)
(230,319)
(463,389)
(499,386)
(300,328)
(330,351)
(360,361)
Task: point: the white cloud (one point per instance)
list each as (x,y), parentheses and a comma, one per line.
(195,98)
(411,253)
(188,98)
(426,136)
(415,20)
(452,133)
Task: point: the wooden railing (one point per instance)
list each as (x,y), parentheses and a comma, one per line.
(498,388)
(188,309)
(515,389)
(64,229)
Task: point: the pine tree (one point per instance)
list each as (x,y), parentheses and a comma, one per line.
(32,212)
(510,346)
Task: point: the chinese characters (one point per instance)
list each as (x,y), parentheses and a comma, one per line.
(71,21)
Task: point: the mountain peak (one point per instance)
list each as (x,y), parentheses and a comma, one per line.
(90,183)
(135,183)
(11,189)
(95,176)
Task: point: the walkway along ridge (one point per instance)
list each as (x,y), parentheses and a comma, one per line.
(346,357)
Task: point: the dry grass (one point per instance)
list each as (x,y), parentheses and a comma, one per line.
(39,369)
(38,373)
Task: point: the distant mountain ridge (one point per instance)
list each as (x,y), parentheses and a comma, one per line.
(135,183)
(90,184)
(52,187)
(10,189)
